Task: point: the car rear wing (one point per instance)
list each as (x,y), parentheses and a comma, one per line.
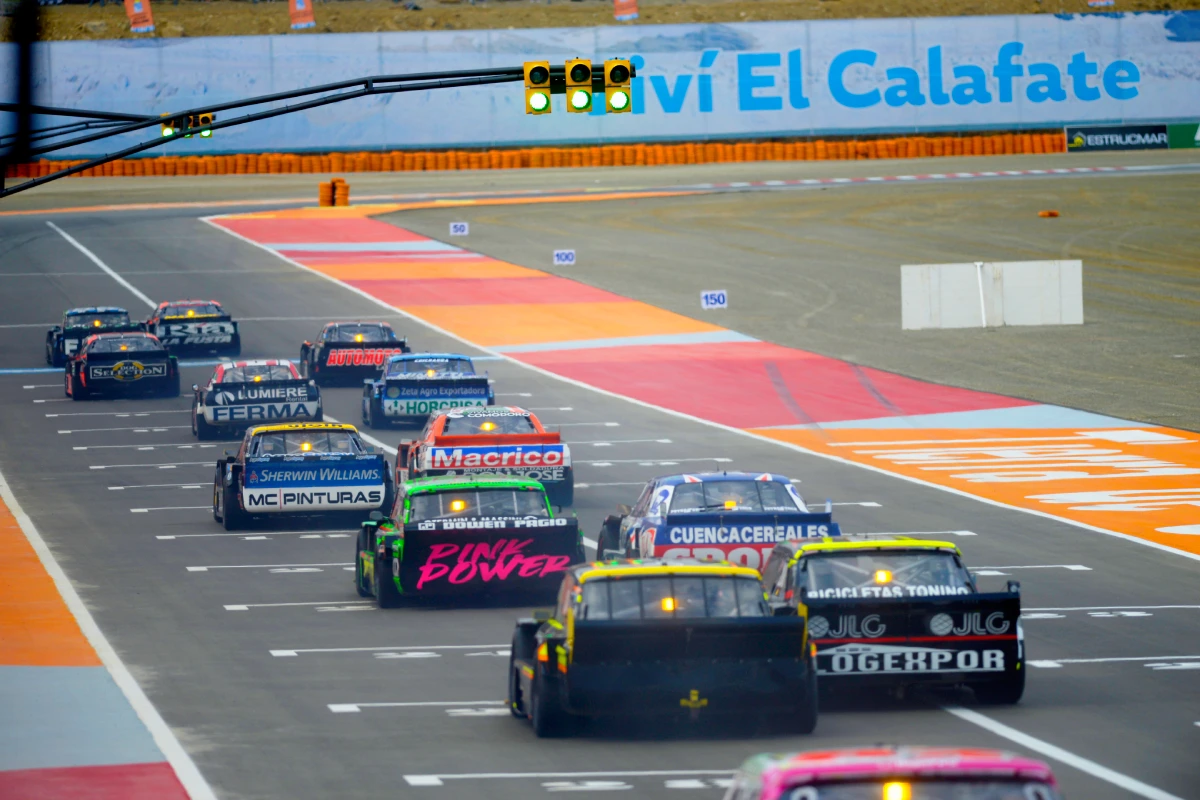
(83,331)
(255,393)
(707,528)
(473,556)
(362,354)
(493,441)
(936,615)
(666,640)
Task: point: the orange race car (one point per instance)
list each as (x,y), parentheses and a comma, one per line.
(501,440)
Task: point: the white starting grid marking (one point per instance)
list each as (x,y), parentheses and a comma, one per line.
(1155,662)
(389,649)
(134,428)
(618,483)
(317,604)
(986,571)
(867,504)
(169,508)
(287,567)
(581,424)
(354,708)
(183,446)
(159,486)
(257,536)
(39,385)
(211,464)
(54,400)
(611,442)
(684,778)
(121,414)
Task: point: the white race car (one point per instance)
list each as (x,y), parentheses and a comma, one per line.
(245,393)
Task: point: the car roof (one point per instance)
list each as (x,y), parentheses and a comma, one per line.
(649,567)
(302,426)
(486,411)
(258,362)
(70,312)
(787,770)
(444,482)
(714,477)
(358,322)
(124,335)
(841,544)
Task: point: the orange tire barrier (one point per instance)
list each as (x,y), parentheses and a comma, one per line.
(541,157)
(325,194)
(1050,213)
(341,192)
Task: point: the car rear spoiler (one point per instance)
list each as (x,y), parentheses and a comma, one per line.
(502,439)
(648,640)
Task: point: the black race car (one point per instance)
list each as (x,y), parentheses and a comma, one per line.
(664,638)
(896,611)
(123,365)
(195,326)
(349,352)
(62,341)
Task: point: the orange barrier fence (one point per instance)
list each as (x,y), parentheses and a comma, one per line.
(539,157)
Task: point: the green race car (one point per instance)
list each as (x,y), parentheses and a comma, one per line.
(466,536)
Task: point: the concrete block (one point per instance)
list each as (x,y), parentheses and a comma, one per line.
(974,295)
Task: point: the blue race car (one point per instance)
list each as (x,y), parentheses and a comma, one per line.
(415,385)
(713,516)
(63,341)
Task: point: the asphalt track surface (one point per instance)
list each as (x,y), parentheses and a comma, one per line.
(301,690)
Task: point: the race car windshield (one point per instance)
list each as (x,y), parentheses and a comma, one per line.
(193,310)
(488,424)
(360,333)
(865,574)
(257,373)
(131,344)
(438,366)
(95,320)
(927,790)
(303,443)
(518,503)
(760,496)
(673,597)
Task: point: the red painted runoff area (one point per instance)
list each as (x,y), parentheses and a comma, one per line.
(155,781)
(484,291)
(268,230)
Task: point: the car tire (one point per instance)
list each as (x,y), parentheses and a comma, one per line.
(204,432)
(363,544)
(218,495)
(804,721)
(78,390)
(609,537)
(515,706)
(549,720)
(233,517)
(375,419)
(1006,691)
(386,592)
(172,387)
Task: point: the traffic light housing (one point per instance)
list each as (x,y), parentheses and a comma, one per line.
(537,87)
(172,126)
(618,99)
(202,120)
(578,73)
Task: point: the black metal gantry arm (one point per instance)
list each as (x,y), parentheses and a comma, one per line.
(361,87)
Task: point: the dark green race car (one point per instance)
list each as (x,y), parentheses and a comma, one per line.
(466,536)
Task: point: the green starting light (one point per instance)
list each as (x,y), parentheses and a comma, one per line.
(618,100)
(167,130)
(539,101)
(205,133)
(580,99)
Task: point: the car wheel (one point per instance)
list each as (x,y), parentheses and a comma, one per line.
(515,707)
(78,390)
(233,516)
(204,432)
(364,545)
(385,584)
(804,721)
(547,715)
(218,496)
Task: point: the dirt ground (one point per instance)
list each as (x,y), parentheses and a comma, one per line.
(226,18)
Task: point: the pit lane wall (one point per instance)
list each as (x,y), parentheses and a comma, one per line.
(695,81)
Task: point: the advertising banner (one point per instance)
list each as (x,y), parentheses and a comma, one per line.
(697,81)
(1116,137)
(1186,135)
(141,20)
(301,13)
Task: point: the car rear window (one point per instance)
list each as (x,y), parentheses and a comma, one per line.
(474,503)
(193,310)
(868,574)
(673,597)
(431,367)
(126,344)
(95,320)
(344,334)
(302,443)
(732,496)
(258,372)
(492,424)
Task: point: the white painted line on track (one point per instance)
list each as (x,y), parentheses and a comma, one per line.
(863,503)
(354,708)
(1070,567)
(621,441)
(915,533)
(185,769)
(159,466)
(55,400)
(617,483)
(1109,608)
(121,413)
(264,566)
(708,423)
(134,428)
(298,651)
(550,408)
(256,536)
(514,394)
(157,486)
(650,462)
(1056,753)
(440,779)
(109,270)
(1054,663)
(248,606)
(580,424)
(170,508)
(592,543)
(184,446)
(38,385)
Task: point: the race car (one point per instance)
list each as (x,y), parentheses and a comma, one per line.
(478,536)
(734,516)
(899,611)
(195,326)
(499,440)
(62,341)
(244,393)
(300,468)
(894,773)
(416,384)
(121,365)
(349,352)
(670,638)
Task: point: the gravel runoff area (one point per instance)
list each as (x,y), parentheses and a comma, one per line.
(228,18)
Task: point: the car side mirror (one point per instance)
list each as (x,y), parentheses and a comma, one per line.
(312,384)
(376,515)
(195,388)
(1014,587)
(542,614)
(371,450)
